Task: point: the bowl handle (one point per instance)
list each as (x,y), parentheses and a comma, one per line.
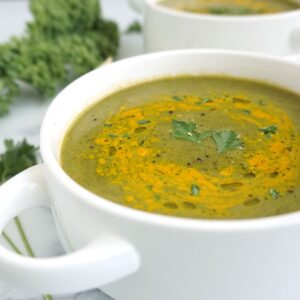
(103,261)
(137,5)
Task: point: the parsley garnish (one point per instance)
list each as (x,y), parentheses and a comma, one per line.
(187,131)
(142,122)
(195,190)
(204,100)
(246,111)
(178,98)
(269,130)
(274,193)
(227,140)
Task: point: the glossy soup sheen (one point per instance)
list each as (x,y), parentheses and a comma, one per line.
(197,147)
(232,7)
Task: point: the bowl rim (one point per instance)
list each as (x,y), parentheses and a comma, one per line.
(134,215)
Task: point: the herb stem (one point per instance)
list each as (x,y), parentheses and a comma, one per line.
(24,237)
(11,243)
(27,246)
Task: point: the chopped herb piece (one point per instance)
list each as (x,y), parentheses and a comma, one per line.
(195,190)
(240,100)
(246,111)
(113,136)
(226,140)
(149,187)
(108,125)
(204,100)
(187,131)
(184,130)
(178,98)
(142,122)
(134,27)
(262,102)
(269,130)
(274,193)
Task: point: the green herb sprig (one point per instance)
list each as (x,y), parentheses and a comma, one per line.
(65,40)
(270,130)
(274,193)
(187,131)
(227,140)
(195,190)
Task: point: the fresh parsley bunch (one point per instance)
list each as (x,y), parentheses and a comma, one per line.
(17,157)
(66,39)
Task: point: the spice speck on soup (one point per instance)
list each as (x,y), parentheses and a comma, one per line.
(207,147)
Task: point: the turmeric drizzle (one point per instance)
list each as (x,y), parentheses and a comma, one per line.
(130,153)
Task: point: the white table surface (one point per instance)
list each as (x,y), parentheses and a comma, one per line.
(24,121)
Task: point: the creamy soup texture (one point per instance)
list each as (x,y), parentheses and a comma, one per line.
(232,7)
(204,147)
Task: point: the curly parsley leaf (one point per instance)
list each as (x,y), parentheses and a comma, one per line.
(16,158)
(274,193)
(187,131)
(195,190)
(65,40)
(226,140)
(269,130)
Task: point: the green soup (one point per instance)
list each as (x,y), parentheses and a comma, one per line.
(232,7)
(197,147)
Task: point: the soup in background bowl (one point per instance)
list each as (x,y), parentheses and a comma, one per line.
(206,147)
(266,26)
(232,7)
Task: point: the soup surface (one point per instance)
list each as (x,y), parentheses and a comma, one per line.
(231,7)
(199,147)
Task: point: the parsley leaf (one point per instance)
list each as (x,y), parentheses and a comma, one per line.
(178,98)
(142,122)
(195,190)
(274,193)
(226,140)
(269,130)
(16,158)
(204,100)
(246,111)
(187,131)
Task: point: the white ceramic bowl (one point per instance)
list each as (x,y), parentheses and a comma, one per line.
(167,29)
(134,255)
